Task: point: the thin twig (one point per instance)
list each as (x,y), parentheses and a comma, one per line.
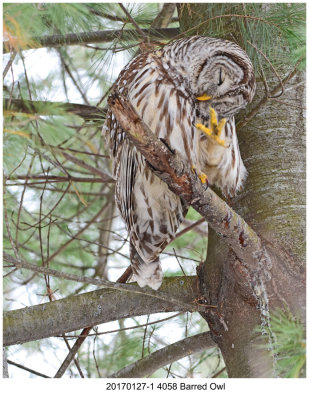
(179,262)
(57,178)
(249,17)
(68,71)
(273,69)
(264,100)
(21,201)
(93,352)
(8,229)
(27,369)
(76,362)
(219,372)
(83,164)
(129,327)
(144,336)
(9,64)
(64,245)
(131,19)
(189,228)
(72,353)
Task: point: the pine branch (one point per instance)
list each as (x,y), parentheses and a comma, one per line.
(182,181)
(57,178)
(133,22)
(158,359)
(54,108)
(94,37)
(95,307)
(158,295)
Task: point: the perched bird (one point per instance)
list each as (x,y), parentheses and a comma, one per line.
(187,93)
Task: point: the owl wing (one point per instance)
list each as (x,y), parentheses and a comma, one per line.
(151,211)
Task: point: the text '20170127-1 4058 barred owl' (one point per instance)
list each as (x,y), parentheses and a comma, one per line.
(187,93)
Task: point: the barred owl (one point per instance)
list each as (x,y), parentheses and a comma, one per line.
(181,92)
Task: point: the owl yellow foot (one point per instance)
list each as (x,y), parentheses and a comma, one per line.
(216,128)
(202,177)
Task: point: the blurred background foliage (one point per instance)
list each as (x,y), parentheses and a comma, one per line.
(59,207)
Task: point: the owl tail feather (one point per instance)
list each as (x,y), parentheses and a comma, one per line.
(149,274)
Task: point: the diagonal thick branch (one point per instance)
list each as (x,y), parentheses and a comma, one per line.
(181,180)
(158,359)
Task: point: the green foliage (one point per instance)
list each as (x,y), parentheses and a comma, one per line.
(277,30)
(289,344)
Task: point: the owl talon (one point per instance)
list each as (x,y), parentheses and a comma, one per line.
(202,177)
(216,128)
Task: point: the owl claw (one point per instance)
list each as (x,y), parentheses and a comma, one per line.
(216,128)
(202,177)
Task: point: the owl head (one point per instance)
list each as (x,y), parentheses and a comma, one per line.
(225,73)
(218,68)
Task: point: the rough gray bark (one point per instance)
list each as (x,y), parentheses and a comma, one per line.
(158,359)
(5,365)
(164,17)
(90,309)
(273,203)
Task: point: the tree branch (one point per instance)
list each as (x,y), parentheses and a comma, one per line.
(182,181)
(158,295)
(58,178)
(27,369)
(132,21)
(93,308)
(54,108)
(94,37)
(158,359)
(164,17)
(73,351)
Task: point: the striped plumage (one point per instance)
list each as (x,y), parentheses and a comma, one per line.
(163,86)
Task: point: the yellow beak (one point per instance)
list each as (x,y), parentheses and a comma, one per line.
(204,97)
